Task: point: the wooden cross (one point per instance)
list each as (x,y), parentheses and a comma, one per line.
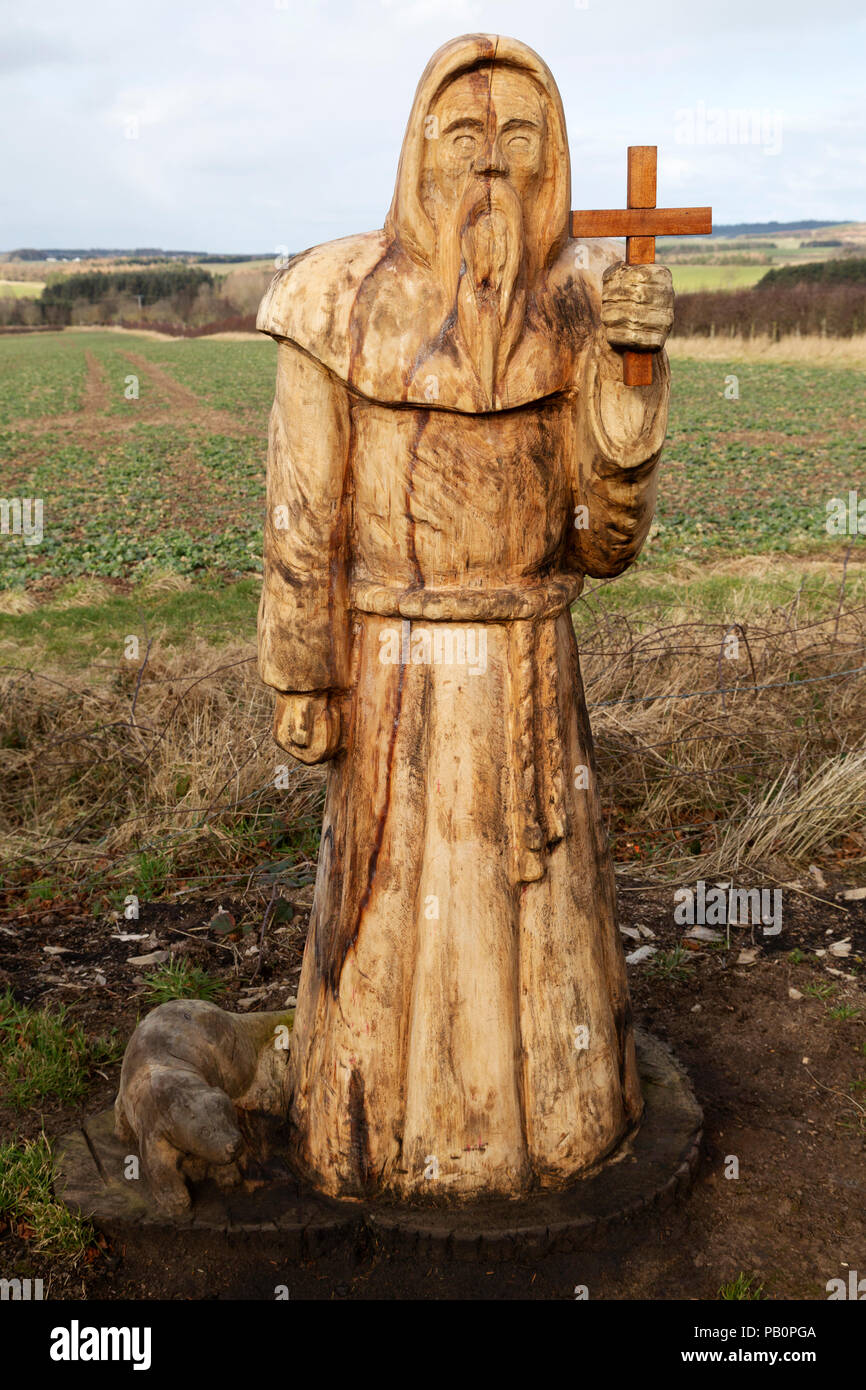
(640,223)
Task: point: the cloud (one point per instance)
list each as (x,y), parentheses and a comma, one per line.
(261,126)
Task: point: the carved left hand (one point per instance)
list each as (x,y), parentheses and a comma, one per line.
(637,305)
(307,726)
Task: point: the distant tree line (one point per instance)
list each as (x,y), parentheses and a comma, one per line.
(144,254)
(147,286)
(92,253)
(850,271)
(836,311)
(739,228)
(827,297)
(178,299)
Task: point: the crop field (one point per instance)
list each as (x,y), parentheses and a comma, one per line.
(21,289)
(689,278)
(149,456)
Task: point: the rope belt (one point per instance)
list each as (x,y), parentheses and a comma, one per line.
(538,600)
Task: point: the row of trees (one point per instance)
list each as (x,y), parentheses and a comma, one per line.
(146,286)
(849,270)
(826,297)
(835,310)
(179,300)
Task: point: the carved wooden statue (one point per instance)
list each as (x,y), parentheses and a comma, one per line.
(452,450)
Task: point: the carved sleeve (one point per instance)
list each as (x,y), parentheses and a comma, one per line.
(619,437)
(304,613)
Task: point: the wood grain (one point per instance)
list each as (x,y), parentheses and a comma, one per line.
(456,450)
(637,367)
(642,222)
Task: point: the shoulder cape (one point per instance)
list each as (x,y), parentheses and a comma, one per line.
(378,320)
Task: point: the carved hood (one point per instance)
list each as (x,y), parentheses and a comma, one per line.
(371,310)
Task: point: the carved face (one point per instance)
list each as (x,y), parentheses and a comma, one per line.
(483,127)
(483,162)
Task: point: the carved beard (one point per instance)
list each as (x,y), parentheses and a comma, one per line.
(480,252)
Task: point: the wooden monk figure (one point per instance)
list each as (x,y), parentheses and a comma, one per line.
(452,450)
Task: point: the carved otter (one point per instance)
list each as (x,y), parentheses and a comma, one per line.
(189,1068)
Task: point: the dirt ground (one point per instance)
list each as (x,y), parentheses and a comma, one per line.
(781,1078)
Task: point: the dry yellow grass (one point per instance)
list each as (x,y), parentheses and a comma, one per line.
(230,336)
(808,349)
(116,328)
(177,759)
(699,767)
(154,760)
(15,601)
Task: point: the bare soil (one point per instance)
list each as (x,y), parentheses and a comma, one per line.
(781,1079)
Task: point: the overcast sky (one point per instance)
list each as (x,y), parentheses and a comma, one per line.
(263,124)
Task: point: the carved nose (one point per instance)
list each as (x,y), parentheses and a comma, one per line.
(490,161)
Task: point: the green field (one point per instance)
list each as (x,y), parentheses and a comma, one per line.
(21,289)
(689,278)
(173,482)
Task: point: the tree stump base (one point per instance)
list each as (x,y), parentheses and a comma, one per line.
(652,1168)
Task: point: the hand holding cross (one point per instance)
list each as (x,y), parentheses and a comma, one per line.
(640,223)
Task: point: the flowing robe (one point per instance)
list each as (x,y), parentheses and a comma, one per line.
(463,1024)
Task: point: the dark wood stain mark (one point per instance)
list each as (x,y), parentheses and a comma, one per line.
(419,757)
(337,564)
(422,420)
(359,315)
(439,344)
(623,1023)
(359,1142)
(334,968)
(287,575)
(331,871)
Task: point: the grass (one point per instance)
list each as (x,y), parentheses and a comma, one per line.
(144,502)
(756,473)
(46,1055)
(186,790)
(43,374)
(671,965)
(820,991)
(233,376)
(42,890)
(688,278)
(142,489)
(149,876)
(742,1288)
(86,623)
(181,980)
(806,349)
(28,1204)
(183,793)
(717,755)
(21,289)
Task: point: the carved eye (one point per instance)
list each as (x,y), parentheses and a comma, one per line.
(465,143)
(519,144)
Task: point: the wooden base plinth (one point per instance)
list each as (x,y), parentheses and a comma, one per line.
(652,1168)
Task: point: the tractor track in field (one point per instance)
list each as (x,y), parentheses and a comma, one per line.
(163,400)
